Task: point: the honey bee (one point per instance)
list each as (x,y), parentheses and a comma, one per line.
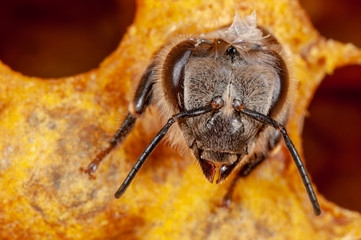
(229,92)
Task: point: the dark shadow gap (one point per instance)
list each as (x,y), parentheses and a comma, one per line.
(336,19)
(332,138)
(59,38)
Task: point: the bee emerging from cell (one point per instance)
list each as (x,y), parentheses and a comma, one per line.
(229,93)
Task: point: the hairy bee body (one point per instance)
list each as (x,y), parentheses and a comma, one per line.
(189,72)
(230,93)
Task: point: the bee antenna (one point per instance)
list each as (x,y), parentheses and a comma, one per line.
(296,157)
(175,118)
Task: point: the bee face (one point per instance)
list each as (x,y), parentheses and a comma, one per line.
(235,74)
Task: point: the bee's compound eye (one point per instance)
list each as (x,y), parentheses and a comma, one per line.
(217,103)
(237,104)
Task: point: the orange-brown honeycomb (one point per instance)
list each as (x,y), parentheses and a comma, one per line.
(51,128)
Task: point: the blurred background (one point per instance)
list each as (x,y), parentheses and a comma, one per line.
(60,38)
(332,130)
